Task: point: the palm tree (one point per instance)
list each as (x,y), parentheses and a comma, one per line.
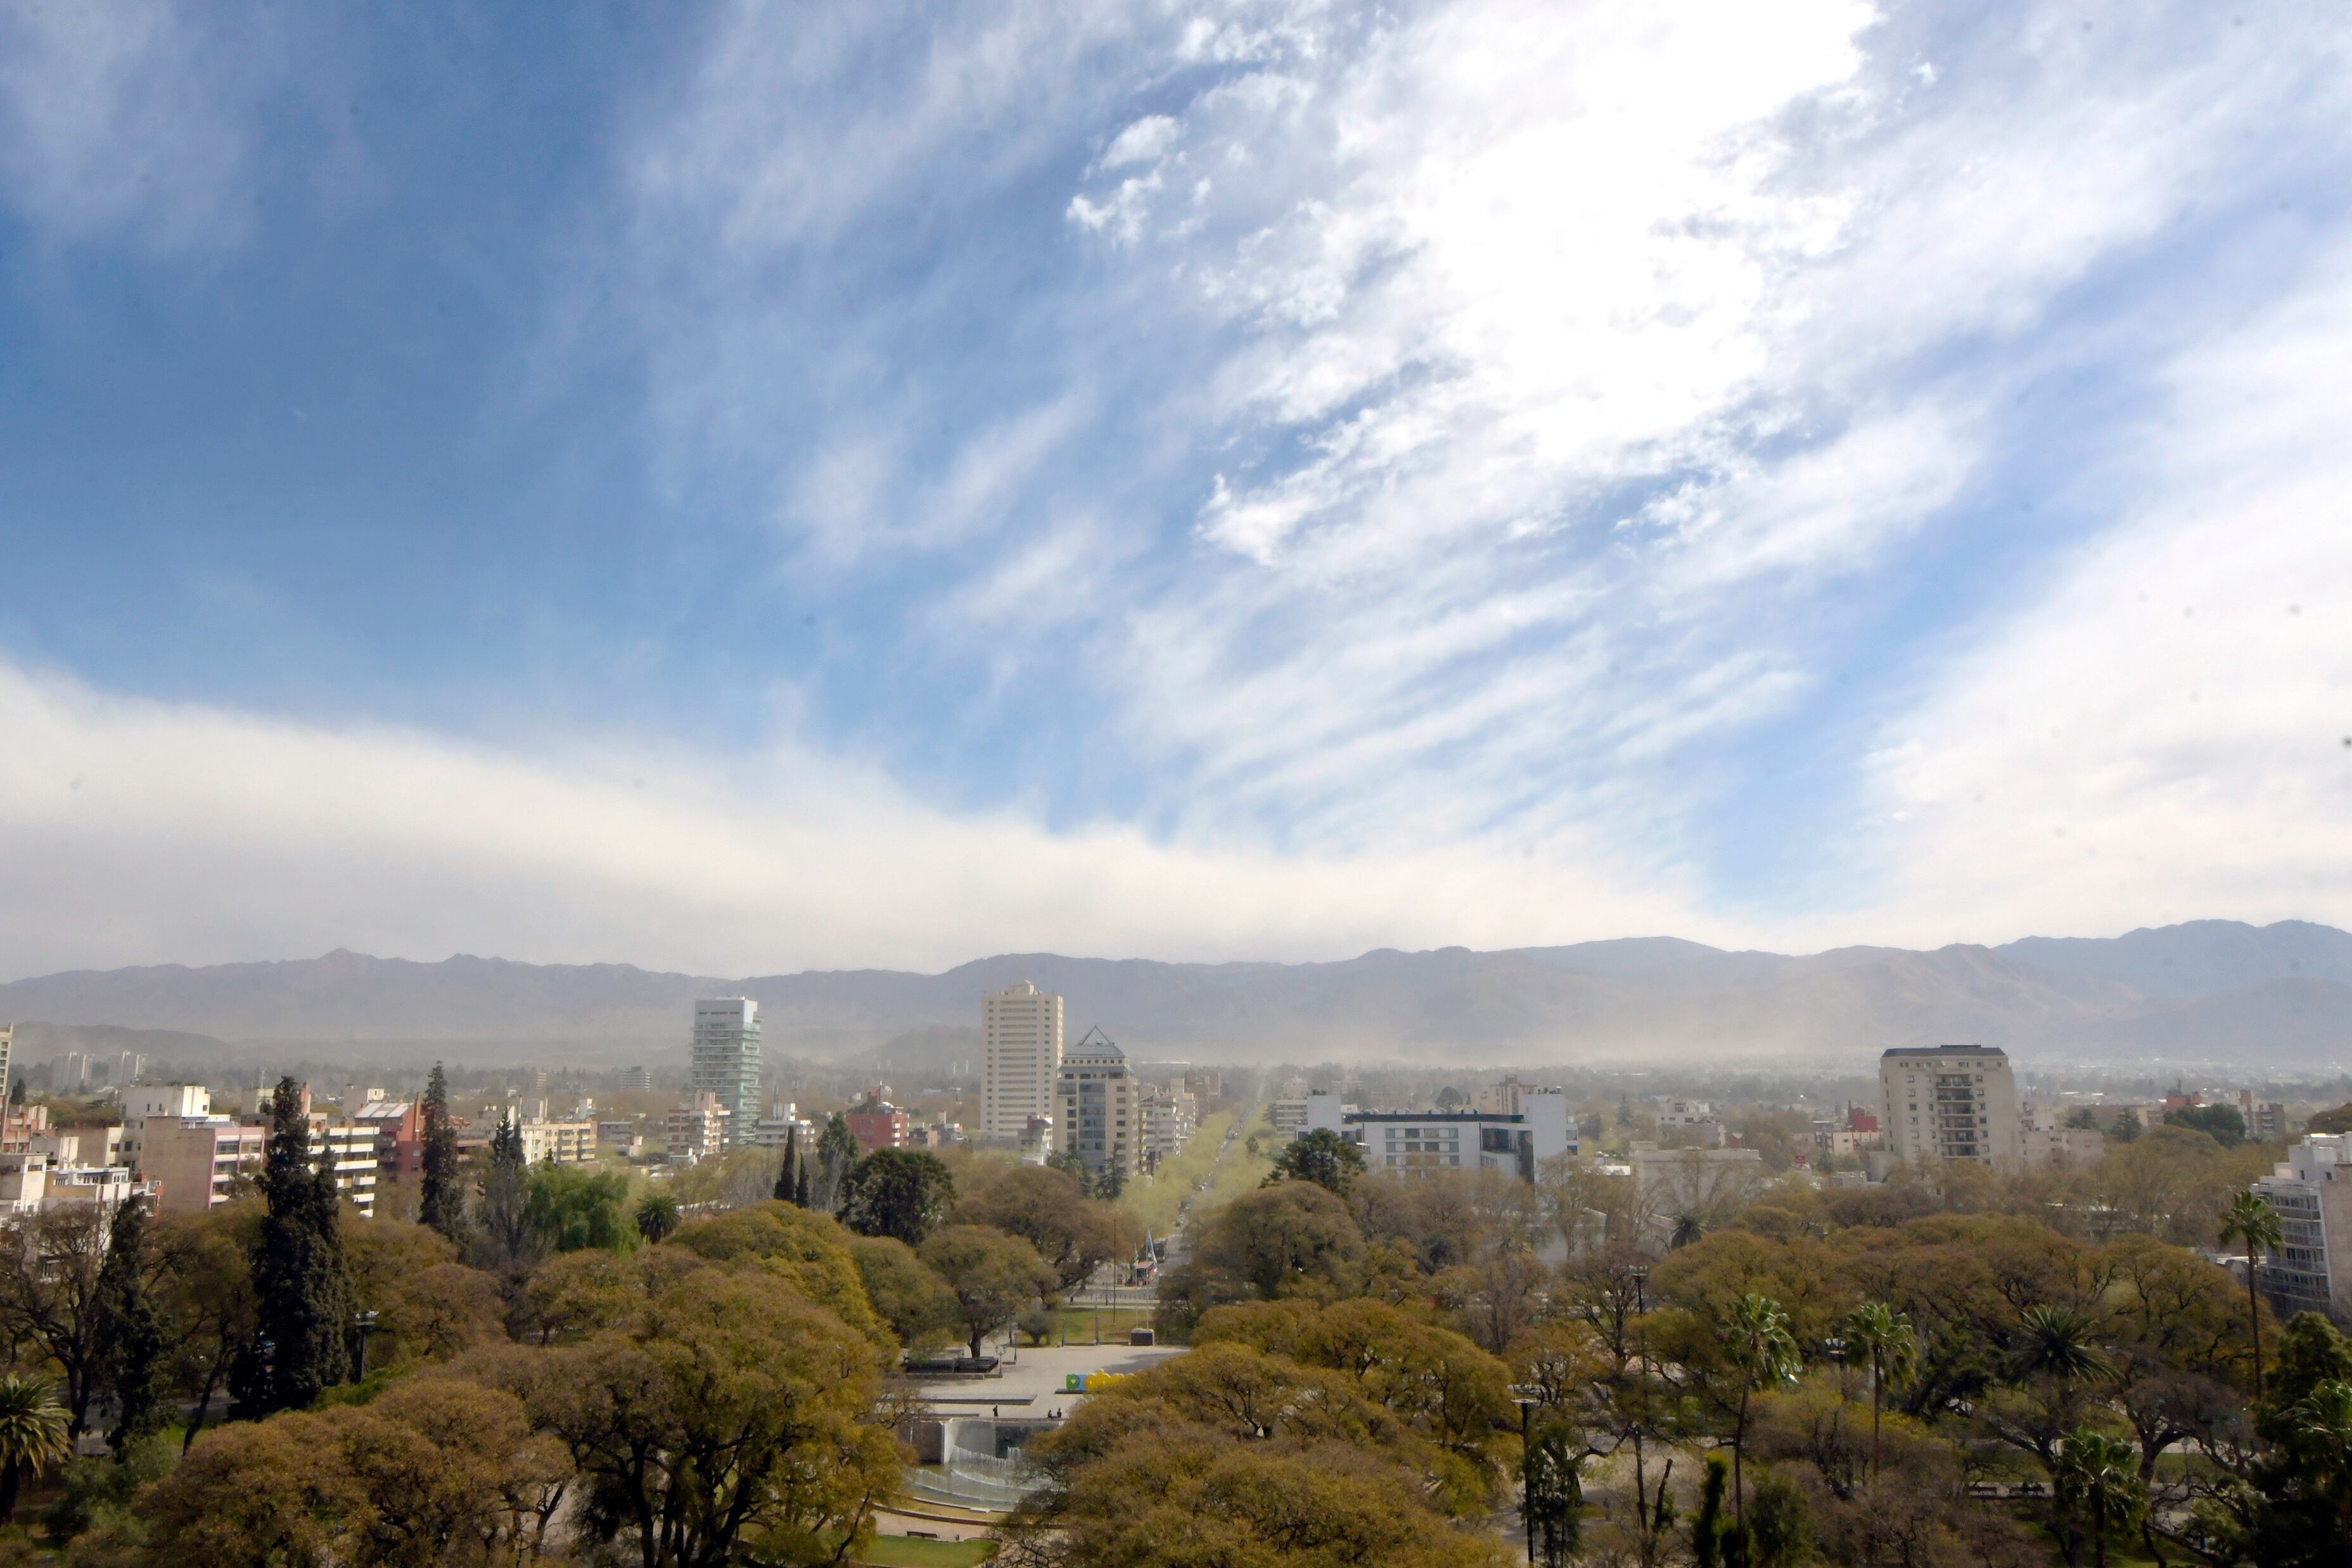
(1761,1350)
(2098,1473)
(2061,1342)
(1688,1228)
(2250,1219)
(658,1215)
(1886,1337)
(2322,1419)
(32,1434)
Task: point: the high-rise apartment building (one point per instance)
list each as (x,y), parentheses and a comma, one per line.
(1098,1115)
(2311,1190)
(1951,1103)
(725,1062)
(1020,1059)
(7,1040)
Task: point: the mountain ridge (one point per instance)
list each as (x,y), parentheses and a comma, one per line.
(2281,992)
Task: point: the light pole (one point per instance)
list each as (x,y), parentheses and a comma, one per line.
(1639,1274)
(1527,1398)
(365,1324)
(1835,1348)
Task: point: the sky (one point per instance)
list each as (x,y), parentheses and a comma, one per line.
(746,488)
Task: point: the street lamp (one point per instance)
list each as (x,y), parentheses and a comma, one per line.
(1639,1274)
(365,1324)
(1526,1396)
(1835,1348)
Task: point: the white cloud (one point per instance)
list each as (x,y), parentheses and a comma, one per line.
(133,121)
(142,831)
(2164,732)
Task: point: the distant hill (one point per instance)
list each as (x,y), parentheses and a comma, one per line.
(2210,990)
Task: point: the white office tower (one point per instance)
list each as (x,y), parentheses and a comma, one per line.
(1020,1057)
(725,1062)
(1951,1103)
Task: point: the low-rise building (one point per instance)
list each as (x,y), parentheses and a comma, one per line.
(1289,1116)
(1712,1182)
(567,1143)
(782,1123)
(1412,1142)
(697,1130)
(2044,1138)
(2310,1191)
(196,1162)
(399,1135)
(876,1124)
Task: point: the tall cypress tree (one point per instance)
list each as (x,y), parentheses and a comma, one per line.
(129,1337)
(302,1280)
(784,1172)
(836,1151)
(507,1240)
(441,1202)
(801,1184)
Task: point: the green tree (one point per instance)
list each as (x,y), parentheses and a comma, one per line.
(2321,1423)
(2099,1476)
(131,1340)
(916,1303)
(49,1269)
(441,1199)
(1554,1489)
(1710,1529)
(1321,1156)
(896,1192)
(1884,1339)
(2220,1122)
(1779,1527)
(1688,1227)
(2060,1341)
(786,1189)
(32,1433)
(1074,1233)
(656,1216)
(994,1275)
(508,1242)
(2251,1221)
(1762,1355)
(836,1152)
(569,1208)
(302,1280)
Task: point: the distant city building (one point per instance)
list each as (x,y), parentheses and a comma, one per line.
(2265,1121)
(1410,1142)
(7,1055)
(1503,1099)
(696,1130)
(636,1078)
(1095,1115)
(1169,1114)
(2044,1139)
(1206,1086)
(876,1124)
(399,1135)
(1951,1103)
(2311,1190)
(196,1162)
(619,1137)
(726,1060)
(1289,1116)
(778,1125)
(1019,1057)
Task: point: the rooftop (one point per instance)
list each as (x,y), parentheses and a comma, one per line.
(1945,1050)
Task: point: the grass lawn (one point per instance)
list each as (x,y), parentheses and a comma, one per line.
(905,1552)
(1077,1324)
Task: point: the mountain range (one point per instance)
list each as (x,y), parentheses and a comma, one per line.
(2207,991)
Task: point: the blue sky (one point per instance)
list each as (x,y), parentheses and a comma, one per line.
(745,488)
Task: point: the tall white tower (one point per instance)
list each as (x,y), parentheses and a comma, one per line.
(725,1061)
(1020,1054)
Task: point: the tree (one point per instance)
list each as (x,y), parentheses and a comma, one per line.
(1779,1528)
(1282,1238)
(441,1201)
(718,1419)
(2060,1341)
(2222,1123)
(207,1293)
(131,1342)
(1043,1206)
(302,1280)
(508,1243)
(916,1303)
(994,1276)
(568,1209)
(2337,1121)
(1321,1156)
(1710,1529)
(2096,1474)
(787,1191)
(657,1216)
(1688,1227)
(2321,1422)
(1554,1489)
(1763,1354)
(836,1152)
(1885,1338)
(2251,1221)
(896,1192)
(49,1269)
(32,1433)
